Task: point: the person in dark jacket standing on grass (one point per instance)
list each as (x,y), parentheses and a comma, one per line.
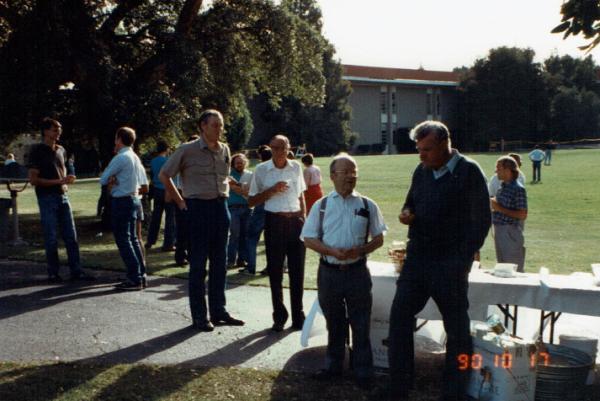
(448,213)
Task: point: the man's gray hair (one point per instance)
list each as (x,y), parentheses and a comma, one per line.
(340,156)
(425,128)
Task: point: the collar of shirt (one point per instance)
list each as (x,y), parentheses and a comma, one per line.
(335,194)
(271,165)
(448,167)
(204,145)
(124,149)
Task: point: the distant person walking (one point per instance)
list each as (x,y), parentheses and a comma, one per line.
(123,176)
(550,146)
(509,213)
(537,156)
(203,167)
(160,204)
(312,178)
(48,173)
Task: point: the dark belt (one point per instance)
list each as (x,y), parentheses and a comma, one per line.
(237,206)
(287,215)
(358,263)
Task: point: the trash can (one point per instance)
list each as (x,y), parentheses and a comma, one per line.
(5,205)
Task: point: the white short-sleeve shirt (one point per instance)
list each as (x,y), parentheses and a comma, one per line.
(344,223)
(266,175)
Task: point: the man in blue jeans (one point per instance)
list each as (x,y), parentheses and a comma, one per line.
(124,175)
(47,172)
(160,205)
(237,247)
(203,167)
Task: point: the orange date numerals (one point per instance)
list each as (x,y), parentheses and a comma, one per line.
(541,358)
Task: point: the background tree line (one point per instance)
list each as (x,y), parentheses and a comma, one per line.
(154,65)
(508,95)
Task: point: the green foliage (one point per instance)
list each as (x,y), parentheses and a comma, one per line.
(151,65)
(504,96)
(580,17)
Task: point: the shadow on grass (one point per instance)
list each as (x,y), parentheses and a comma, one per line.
(140,381)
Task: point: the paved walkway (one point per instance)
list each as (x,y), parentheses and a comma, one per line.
(69,322)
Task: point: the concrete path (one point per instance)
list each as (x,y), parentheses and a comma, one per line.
(68,322)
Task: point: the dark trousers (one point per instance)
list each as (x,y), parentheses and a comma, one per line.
(345,297)
(446,281)
(182,241)
(282,238)
(537,171)
(157,211)
(124,213)
(208,227)
(256,225)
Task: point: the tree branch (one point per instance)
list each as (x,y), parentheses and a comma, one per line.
(188,14)
(118,14)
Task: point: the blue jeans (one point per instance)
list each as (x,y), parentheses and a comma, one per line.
(123,218)
(238,238)
(208,228)
(169,208)
(55,211)
(256,225)
(537,171)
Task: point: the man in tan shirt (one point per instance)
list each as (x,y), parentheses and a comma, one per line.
(203,167)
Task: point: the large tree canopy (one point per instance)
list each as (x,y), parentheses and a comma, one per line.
(153,65)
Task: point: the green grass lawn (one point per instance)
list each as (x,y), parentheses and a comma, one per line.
(561,231)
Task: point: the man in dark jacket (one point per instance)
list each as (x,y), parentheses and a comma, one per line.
(448,214)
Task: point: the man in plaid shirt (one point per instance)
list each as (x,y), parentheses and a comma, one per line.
(509,213)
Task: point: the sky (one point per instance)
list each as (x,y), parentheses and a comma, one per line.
(442,34)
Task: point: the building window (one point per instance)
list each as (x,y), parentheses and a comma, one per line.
(394,100)
(429,102)
(384,133)
(383,102)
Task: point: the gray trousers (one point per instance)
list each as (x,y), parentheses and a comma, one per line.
(509,242)
(345,297)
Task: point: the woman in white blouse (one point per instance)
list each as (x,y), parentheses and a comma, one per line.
(312,178)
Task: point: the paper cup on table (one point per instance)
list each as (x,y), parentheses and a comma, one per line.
(596,271)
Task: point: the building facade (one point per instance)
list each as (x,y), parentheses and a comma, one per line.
(387,102)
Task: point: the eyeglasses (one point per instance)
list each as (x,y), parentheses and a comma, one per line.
(280,147)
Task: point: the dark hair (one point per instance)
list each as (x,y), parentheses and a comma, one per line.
(517,158)
(425,128)
(307,159)
(264,153)
(237,156)
(48,123)
(162,146)
(206,114)
(126,135)
(193,137)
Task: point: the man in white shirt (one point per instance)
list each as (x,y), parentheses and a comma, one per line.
(338,228)
(279,184)
(127,170)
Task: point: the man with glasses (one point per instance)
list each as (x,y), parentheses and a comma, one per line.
(448,214)
(338,228)
(279,184)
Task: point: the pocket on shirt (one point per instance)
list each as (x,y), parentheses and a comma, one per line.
(359,227)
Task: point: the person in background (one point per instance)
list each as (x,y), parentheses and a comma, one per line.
(550,146)
(447,210)
(338,229)
(495,182)
(312,178)
(537,156)
(10,158)
(71,165)
(181,224)
(509,208)
(160,204)
(123,176)
(203,166)
(48,173)
(256,224)
(279,184)
(237,247)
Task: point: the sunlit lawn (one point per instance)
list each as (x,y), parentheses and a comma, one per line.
(561,231)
